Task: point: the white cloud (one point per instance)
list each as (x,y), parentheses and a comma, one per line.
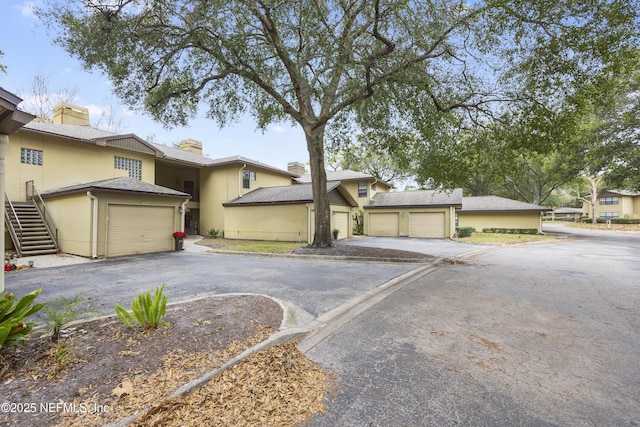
(26,8)
(279,129)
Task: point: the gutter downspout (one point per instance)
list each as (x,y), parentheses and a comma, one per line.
(240,180)
(183,212)
(309,240)
(4,145)
(452,222)
(94,226)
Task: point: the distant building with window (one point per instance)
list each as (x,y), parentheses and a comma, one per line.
(615,204)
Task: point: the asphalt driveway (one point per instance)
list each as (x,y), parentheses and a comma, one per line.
(314,285)
(534,335)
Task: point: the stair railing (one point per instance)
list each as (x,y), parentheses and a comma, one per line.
(15,232)
(33,195)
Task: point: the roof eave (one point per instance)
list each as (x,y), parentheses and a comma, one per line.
(110,190)
(447,205)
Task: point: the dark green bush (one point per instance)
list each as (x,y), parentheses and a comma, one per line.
(613,220)
(511,230)
(465,231)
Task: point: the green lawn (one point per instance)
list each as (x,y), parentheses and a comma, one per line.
(251,245)
(505,239)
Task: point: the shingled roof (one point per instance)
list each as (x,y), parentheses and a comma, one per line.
(497,204)
(92,135)
(342,175)
(84,133)
(415,199)
(287,194)
(119,185)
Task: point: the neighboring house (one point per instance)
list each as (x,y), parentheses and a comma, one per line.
(286,213)
(422,213)
(498,212)
(615,204)
(362,187)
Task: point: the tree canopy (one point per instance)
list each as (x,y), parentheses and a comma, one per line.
(333,66)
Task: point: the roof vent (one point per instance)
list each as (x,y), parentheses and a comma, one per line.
(191,145)
(68,114)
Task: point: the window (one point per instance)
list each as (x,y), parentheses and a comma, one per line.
(247,177)
(609,215)
(31,157)
(132,165)
(373,187)
(609,200)
(362,189)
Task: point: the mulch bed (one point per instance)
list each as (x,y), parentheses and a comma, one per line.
(363,252)
(108,371)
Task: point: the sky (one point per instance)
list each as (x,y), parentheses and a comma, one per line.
(29,51)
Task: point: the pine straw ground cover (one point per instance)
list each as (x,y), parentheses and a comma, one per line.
(108,371)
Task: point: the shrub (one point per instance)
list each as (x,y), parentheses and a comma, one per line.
(465,231)
(613,220)
(13,328)
(511,230)
(61,311)
(147,312)
(213,233)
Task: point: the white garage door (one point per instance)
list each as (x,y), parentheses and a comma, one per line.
(427,224)
(139,229)
(384,224)
(342,224)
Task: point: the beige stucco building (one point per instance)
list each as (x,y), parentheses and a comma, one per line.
(104,194)
(485,212)
(423,213)
(107,194)
(612,204)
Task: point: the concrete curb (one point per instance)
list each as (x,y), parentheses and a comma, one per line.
(327,324)
(316,331)
(324,257)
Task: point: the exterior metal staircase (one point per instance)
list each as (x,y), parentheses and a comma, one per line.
(30,233)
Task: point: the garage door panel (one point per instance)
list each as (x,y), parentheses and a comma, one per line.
(427,224)
(384,224)
(139,229)
(342,224)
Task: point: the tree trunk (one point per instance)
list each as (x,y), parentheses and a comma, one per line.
(315,145)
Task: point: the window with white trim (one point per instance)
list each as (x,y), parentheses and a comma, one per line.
(247,177)
(30,156)
(609,200)
(132,165)
(609,215)
(362,189)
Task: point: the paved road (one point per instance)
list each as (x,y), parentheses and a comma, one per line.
(544,334)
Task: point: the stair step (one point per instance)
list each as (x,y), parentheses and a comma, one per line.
(33,232)
(26,252)
(32,247)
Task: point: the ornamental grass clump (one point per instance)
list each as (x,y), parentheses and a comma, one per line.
(147,312)
(13,328)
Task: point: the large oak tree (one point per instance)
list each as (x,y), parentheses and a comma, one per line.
(322,62)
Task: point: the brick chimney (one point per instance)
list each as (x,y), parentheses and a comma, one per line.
(191,145)
(68,114)
(296,168)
